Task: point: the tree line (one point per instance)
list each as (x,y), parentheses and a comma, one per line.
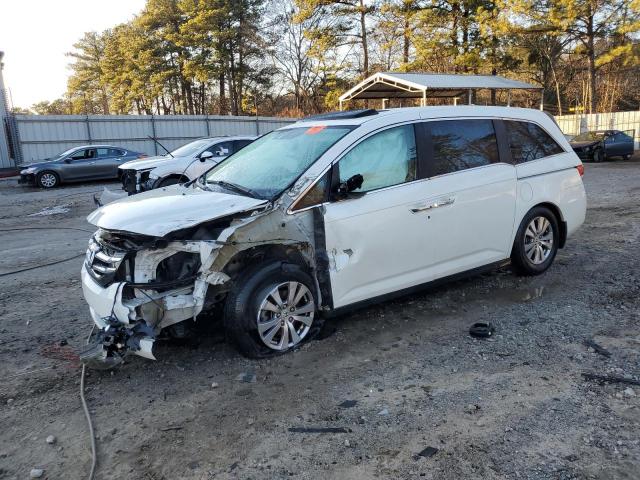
(295,57)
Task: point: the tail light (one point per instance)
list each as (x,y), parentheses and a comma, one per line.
(143,155)
(580,169)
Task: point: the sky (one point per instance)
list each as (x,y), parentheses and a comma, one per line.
(35,35)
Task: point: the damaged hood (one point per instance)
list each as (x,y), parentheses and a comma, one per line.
(148,163)
(164,210)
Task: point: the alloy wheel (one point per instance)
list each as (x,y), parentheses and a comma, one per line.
(538,240)
(285,315)
(48,180)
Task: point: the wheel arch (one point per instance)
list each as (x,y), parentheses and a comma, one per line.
(284,253)
(558,214)
(181,178)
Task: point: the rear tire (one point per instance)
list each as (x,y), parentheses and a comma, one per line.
(271,309)
(536,242)
(47,179)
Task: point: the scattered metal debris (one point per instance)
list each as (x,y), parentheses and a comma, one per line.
(597,348)
(318,430)
(428,452)
(601,379)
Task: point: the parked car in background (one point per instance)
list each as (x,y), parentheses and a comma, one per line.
(327,214)
(183,164)
(89,162)
(602,145)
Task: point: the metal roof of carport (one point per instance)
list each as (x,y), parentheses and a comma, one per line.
(420,85)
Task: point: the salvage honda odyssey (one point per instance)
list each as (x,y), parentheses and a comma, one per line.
(325,215)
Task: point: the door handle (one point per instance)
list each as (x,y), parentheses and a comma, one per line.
(438,203)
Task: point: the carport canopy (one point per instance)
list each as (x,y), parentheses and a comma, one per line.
(422,85)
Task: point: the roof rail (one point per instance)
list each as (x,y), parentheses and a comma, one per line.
(342,115)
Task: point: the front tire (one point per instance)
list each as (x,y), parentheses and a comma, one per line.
(272,309)
(47,179)
(536,242)
(598,156)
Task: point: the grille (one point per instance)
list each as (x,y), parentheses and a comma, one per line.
(103,262)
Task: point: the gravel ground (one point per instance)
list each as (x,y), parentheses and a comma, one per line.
(391,380)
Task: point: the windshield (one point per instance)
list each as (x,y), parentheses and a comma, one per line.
(589,137)
(191,149)
(269,165)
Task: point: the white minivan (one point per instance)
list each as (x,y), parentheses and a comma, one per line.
(328,214)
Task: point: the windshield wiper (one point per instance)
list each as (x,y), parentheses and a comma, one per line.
(236,188)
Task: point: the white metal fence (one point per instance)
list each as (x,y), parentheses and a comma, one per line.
(41,136)
(625,121)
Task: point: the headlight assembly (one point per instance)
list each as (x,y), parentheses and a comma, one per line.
(27,171)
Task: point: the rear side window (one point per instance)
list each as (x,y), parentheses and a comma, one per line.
(527,141)
(223,149)
(461,144)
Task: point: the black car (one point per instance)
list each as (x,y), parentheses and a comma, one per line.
(602,145)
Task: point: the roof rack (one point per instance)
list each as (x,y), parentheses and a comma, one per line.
(343,115)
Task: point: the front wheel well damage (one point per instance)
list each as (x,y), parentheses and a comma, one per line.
(245,261)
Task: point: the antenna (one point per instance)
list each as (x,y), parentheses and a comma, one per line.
(163,147)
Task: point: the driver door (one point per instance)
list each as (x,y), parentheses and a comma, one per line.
(375,243)
(80,165)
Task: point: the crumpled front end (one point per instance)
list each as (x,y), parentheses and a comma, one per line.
(131,280)
(136,181)
(137,285)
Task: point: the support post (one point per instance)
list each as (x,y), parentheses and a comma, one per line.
(470,95)
(340,105)
(542,99)
(384,103)
(153,132)
(86,121)
(455,101)
(424,98)
(508,98)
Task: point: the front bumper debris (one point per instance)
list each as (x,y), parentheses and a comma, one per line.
(135,181)
(108,196)
(109,347)
(29,179)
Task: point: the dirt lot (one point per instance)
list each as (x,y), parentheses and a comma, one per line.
(514,407)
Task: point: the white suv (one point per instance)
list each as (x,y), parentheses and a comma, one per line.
(182,165)
(327,214)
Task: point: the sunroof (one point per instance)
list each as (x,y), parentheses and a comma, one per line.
(343,115)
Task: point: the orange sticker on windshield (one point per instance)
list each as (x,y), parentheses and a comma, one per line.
(314,130)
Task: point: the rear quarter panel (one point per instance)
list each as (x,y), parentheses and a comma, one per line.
(554,180)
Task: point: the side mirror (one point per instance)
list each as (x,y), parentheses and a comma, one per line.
(68,160)
(353,183)
(206,156)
